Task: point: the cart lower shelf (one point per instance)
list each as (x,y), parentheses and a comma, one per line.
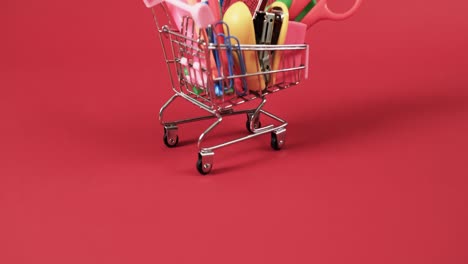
(205,160)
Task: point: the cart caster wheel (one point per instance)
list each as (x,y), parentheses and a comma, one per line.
(170,137)
(257,123)
(278,139)
(205,162)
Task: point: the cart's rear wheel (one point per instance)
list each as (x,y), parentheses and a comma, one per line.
(170,137)
(171,142)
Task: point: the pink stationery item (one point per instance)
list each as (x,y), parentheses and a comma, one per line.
(321,12)
(201,13)
(193,72)
(292,58)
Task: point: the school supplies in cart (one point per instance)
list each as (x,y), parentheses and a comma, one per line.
(224,54)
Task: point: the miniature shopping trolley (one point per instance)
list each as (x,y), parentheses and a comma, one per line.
(222,53)
(214,67)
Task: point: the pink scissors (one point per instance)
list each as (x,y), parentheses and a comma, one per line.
(321,12)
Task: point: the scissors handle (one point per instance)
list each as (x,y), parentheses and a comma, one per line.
(321,12)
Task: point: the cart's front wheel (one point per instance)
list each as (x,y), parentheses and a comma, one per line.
(170,137)
(205,162)
(278,139)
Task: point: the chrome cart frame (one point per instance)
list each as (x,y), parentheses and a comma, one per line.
(209,71)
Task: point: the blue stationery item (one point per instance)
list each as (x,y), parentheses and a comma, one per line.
(228,41)
(218,84)
(210,31)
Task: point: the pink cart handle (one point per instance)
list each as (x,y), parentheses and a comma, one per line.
(201,13)
(321,12)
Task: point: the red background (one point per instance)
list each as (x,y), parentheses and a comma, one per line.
(374,169)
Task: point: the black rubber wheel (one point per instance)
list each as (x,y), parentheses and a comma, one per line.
(274,142)
(170,143)
(202,169)
(257,125)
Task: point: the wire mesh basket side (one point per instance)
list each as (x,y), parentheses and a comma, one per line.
(216,70)
(185,52)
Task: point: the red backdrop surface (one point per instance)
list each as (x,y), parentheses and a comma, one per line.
(374,169)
